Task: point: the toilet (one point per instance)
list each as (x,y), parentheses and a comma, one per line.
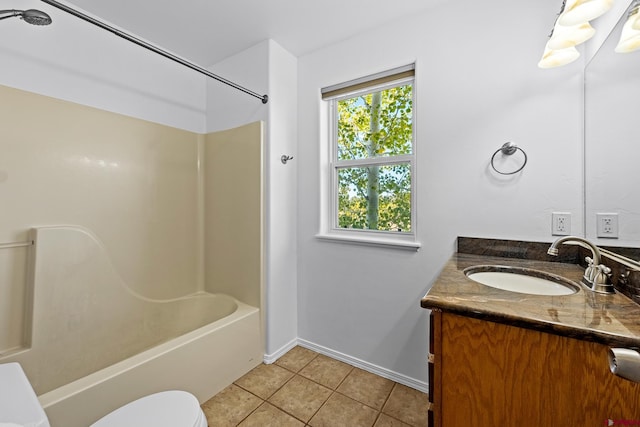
(172,408)
(19,406)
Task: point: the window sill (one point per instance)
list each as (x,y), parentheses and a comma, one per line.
(392,243)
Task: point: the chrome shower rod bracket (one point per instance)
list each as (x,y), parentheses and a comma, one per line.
(148,46)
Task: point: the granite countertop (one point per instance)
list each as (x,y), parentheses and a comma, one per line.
(607,319)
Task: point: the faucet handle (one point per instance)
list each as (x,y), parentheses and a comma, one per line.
(601,282)
(604,269)
(591,270)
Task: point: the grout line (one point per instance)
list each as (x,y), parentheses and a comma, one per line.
(379,412)
(345,377)
(385,404)
(318,410)
(249,414)
(281,387)
(298,371)
(388,396)
(377,418)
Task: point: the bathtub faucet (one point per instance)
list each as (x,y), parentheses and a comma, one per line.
(596,275)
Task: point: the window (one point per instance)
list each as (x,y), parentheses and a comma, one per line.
(372,159)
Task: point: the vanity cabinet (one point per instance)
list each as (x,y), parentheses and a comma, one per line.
(483,373)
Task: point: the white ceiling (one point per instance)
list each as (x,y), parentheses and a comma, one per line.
(207,31)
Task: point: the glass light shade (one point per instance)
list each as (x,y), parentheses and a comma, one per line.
(581,11)
(635,19)
(558,57)
(629,38)
(564,37)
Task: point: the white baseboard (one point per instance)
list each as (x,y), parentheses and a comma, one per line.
(270,358)
(366,366)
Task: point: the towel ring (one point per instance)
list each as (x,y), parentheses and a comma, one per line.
(508,148)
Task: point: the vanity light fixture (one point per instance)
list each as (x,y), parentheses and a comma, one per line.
(563,37)
(560,48)
(630,36)
(558,57)
(635,6)
(571,28)
(581,11)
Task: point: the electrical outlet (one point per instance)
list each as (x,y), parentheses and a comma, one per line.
(561,223)
(607,225)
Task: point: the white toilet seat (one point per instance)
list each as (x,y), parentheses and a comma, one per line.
(19,405)
(172,408)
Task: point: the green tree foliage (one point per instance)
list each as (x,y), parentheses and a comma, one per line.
(375,197)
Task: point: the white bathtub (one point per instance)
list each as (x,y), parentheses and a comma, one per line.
(94,344)
(202,362)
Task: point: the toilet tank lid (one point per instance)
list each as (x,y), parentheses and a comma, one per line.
(18,402)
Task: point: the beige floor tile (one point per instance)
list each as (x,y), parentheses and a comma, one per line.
(326,371)
(343,411)
(264,380)
(296,358)
(269,416)
(387,421)
(300,397)
(367,388)
(407,405)
(230,406)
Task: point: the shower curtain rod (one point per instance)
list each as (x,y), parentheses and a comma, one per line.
(153,48)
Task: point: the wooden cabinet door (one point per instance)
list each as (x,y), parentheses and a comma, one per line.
(490,374)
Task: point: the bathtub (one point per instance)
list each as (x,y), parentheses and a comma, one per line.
(81,369)
(202,362)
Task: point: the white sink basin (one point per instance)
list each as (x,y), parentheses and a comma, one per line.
(521,280)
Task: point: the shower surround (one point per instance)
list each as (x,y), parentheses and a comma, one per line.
(176,216)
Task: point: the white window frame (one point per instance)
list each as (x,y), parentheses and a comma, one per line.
(331,231)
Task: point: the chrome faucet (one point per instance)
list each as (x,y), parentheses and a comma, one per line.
(596,275)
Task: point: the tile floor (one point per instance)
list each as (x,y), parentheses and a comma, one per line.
(304,388)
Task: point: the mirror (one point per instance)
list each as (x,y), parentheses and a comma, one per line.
(612,141)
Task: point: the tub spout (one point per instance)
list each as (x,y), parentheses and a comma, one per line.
(596,275)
